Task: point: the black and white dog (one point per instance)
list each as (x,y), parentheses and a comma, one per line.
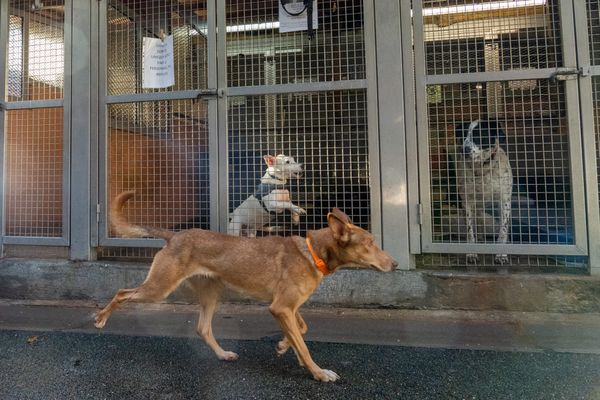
(269,198)
(484,177)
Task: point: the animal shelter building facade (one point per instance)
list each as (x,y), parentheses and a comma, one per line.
(462,133)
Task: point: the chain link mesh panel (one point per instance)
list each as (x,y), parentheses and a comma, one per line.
(325,134)
(337,52)
(521,34)
(33,173)
(36,51)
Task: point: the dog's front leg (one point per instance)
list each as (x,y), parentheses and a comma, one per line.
(472,258)
(284,345)
(289,325)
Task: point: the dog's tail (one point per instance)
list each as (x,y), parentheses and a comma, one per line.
(121,226)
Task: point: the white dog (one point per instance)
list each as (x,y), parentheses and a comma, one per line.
(269,198)
(484,176)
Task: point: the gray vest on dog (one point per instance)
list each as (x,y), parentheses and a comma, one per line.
(263,189)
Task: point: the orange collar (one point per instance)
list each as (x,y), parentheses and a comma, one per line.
(321,265)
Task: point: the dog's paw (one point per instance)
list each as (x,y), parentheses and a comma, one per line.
(326,375)
(282,347)
(99,322)
(228,356)
(295,219)
(301,211)
(501,259)
(472,258)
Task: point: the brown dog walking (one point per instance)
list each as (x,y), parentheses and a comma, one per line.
(282,270)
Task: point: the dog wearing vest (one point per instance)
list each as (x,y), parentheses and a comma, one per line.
(484,177)
(269,198)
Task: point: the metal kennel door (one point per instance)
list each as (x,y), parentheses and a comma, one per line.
(512,65)
(588,46)
(159,142)
(310,98)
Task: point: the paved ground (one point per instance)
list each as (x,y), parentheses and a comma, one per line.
(543,361)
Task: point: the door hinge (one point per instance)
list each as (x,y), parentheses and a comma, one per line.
(420,214)
(98,213)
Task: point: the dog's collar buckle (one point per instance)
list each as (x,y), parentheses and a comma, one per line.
(321,265)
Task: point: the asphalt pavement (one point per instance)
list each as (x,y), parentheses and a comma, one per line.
(77,362)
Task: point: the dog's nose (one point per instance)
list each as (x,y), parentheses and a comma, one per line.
(394,264)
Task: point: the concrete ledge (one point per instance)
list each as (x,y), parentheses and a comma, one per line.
(98,281)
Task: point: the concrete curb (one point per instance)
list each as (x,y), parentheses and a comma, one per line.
(98,281)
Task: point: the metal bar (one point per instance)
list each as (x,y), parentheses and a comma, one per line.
(390,67)
(410,119)
(80,117)
(94,121)
(35,241)
(31,104)
(4,22)
(575,144)
(422,127)
(213,116)
(153,96)
(222,145)
(372,121)
(496,76)
(120,242)
(102,121)
(298,87)
(25,72)
(593,70)
(487,248)
(589,133)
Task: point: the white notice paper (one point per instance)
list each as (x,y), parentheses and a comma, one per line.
(289,23)
(157,63)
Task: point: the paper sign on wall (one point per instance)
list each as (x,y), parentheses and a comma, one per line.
(157,63)
(293,23)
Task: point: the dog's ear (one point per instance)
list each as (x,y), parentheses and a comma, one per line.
(270,160)
(340,226)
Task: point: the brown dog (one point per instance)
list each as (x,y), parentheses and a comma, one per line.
(282,270)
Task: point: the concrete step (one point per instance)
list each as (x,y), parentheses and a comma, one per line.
(484,330)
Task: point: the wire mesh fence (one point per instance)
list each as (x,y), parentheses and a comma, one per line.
(129,22)
(521,34)
(36,53)
(499,156)
(254,40)
(33,176)
(323,139)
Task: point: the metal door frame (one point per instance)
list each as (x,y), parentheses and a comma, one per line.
(64,103)
(589,133)
(106,100)
(369,84)
(572,107)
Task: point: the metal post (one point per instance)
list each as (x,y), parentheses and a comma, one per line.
(390,70)
(4,21)
(80,118)
(589,137)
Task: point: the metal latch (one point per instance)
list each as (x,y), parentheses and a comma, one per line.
(566,74)
(209,93)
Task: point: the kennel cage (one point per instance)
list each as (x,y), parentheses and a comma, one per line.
(285,94)
(500,64)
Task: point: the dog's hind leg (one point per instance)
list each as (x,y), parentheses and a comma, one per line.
(159,283)
(208,291)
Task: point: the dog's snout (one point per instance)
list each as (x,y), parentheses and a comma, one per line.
(394,264)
